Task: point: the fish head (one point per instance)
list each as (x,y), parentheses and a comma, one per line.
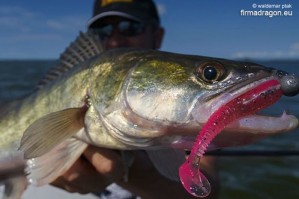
(242,78)
(166,98)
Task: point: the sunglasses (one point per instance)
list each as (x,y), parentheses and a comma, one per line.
(125,28)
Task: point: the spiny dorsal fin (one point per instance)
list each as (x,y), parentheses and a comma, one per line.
(85,46)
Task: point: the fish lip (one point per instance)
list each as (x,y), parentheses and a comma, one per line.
(235,92)
(229,94)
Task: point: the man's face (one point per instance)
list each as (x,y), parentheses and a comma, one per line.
(119,32)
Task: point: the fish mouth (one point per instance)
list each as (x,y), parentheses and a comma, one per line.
(247,129)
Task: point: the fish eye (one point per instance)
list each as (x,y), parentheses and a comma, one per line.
(210,72)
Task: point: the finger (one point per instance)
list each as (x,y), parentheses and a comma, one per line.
(61,183)
(92,172)
(106,161)
(69,181)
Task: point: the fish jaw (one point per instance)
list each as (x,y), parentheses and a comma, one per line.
(257,123)
(253,128)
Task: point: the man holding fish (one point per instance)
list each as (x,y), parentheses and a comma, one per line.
(121,115)
(122,24)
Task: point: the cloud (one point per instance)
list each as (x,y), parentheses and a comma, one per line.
(67,23)
(18,19)
(291,53)
(25,31)
(161,9)
(15,18)
(15,11)
(295,47)
(21,24)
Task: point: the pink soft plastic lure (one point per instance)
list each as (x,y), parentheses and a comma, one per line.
(248,103)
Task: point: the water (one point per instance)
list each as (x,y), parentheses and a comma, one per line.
(241,177)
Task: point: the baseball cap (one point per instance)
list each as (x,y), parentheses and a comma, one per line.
(138,10)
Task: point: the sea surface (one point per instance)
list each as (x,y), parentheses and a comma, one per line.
(267,177)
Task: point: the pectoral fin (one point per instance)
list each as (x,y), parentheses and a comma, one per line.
(50,130)
(46,168)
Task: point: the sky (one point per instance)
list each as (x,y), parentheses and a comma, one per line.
(35,29)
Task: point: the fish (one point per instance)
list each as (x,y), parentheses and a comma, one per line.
(129,99)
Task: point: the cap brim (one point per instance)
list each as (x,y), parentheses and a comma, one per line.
(110,13)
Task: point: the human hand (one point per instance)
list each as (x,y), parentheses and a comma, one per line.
(92,172)
(99,167)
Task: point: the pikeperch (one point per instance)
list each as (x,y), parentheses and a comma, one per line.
(130,99)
